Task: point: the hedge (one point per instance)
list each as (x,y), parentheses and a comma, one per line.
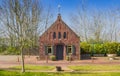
(104,48)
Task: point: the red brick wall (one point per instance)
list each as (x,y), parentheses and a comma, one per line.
(59,26)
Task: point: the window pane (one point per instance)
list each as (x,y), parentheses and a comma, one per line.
(49,49)
(64,35)
(69,49)
(54,35)
(59,35)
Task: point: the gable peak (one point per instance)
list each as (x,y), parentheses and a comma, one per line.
(59,17)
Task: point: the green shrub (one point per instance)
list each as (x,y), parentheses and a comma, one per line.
(68,58)
(118,50)
(3,48)
(99,49)
(111,47)
(53,57)
(11,51)
(104,48)
(91,49)
(85,48)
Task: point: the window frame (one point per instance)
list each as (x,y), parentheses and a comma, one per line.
(54,35)
(49,47)
(69,51)
(59,35)
(73,50)
(64,35)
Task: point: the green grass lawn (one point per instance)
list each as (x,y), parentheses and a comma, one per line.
(96,68)
(11,73)
(90,68)
(34,67)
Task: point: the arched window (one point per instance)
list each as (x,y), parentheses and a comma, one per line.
(59,35)
(54,35)
(64,35)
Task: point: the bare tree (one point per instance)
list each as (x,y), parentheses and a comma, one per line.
(21,19)
(113,23)
(81,19)
(97,25)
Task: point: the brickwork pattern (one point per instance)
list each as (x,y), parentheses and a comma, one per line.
(71,38)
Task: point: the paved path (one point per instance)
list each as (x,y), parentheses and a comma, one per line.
(9,61)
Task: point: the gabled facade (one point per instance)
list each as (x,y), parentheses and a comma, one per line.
(59,40)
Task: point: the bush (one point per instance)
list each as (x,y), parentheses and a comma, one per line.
(108,47)
(111,47)
(85,48)
(118,50)
(68,58)
(99,49)
(11,51)
(3,48)
(52,57)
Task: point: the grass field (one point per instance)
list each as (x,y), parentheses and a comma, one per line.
(89,70)
(9,73)
(95,68)
(34,67)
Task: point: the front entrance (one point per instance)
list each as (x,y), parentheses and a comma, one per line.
(59,52)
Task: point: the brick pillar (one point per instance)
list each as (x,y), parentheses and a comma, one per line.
(64,53)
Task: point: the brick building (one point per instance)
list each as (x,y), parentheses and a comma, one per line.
(59,40)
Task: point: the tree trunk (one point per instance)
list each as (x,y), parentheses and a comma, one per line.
(22,58)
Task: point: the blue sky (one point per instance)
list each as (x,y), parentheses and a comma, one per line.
(69,7)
